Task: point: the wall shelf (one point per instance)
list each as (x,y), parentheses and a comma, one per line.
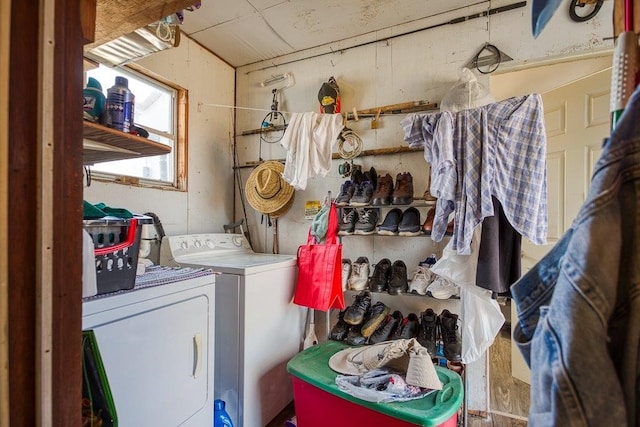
(103,144)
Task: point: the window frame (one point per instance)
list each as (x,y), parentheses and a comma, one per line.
(180,182)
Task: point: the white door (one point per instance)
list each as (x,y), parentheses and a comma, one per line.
(576,120)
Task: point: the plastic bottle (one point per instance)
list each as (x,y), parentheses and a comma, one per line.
(220,416)
(94,100)
(120,105)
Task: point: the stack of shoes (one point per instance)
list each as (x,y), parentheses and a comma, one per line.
(367,221)
(359,274)
(442,288)
(347,222)
(346,272)
(389,226)
(398,278)
(379,280)
(356,315)
(408,328)
(384,189)
(403,190)
(387,328)
(410,223)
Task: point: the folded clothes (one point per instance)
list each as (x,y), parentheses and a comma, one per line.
(100,210)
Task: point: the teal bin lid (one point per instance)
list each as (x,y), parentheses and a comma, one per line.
(312,366)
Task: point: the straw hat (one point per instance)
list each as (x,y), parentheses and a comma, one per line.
(267,191)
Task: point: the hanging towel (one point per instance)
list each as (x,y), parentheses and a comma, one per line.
(308,139)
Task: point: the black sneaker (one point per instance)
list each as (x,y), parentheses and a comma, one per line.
(380,278)
(346,192)
(347,223)
(389,226)
(410,223)
(408,328)
(367,221)
(427,331)
(340,329)
(376,315)
(451,343)
(398,282)
(354,314)
(362,194)
(387,328)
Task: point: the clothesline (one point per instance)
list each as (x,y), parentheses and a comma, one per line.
(296,112)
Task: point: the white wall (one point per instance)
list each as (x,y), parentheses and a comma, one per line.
(419,66)
(208,203)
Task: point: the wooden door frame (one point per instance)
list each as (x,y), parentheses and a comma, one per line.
(45,213)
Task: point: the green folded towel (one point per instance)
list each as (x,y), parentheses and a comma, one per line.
(100,210)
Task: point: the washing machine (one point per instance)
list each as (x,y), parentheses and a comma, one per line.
(258,329)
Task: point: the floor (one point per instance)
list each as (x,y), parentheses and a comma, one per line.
(509,397)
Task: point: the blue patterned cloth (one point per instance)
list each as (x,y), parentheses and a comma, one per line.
(494,150)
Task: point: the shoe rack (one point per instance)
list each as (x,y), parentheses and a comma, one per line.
(412,249)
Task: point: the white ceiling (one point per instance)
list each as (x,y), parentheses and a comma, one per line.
(246,31)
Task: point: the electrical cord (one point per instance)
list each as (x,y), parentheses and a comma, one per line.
(353,140)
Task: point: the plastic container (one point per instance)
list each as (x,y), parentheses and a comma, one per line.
(120,106)
(116,244)
(320,403)
(94,100)
(220,416)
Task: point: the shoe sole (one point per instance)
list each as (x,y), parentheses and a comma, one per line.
(410,233)
(372,324)
(363,232)
(358,204)
(397,291)
(387,232)
(402,200)
(381,202)
(345,233)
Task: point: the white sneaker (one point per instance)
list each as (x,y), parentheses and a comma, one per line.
(359,274)
(421,280)
(443,289)
(346,272)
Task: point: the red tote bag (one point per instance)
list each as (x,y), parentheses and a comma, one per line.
(319,283)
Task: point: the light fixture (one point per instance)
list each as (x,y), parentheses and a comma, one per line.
(279,81)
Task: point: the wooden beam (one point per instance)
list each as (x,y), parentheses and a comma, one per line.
(115,18)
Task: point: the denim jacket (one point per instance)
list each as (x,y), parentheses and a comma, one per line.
(578,323)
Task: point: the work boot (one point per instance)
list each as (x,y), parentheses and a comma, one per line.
(398,278)
(403,191)
(427,331)
(380,277)
(451,342)
(340,329)
(355,313)
(382,196)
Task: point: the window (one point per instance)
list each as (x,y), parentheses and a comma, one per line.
(160,110)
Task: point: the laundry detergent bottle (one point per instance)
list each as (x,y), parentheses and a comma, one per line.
(220,416)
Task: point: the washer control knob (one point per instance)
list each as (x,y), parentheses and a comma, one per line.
(197,243)
(184,245)
(209,243)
